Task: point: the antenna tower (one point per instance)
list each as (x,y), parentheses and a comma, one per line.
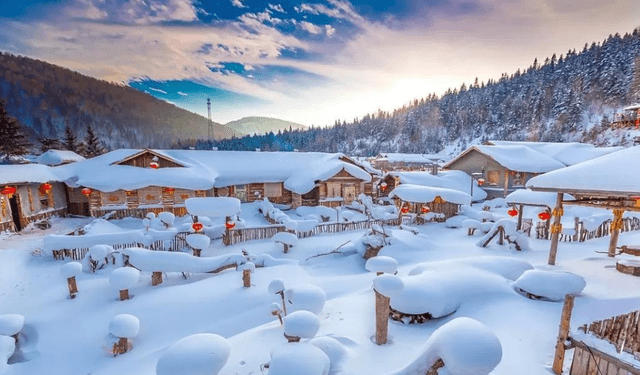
(210,124)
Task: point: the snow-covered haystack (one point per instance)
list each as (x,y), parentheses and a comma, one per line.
(298,358)
(11,324)
(123,327)
(287,240)
(7,348)
(199,354)
(549,285)
(463,346)
(307,297)
(124,278)
(505,228)
(97,257)
(438,289)
(70,271)
(381,264)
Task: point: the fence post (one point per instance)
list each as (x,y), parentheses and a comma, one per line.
(563,334)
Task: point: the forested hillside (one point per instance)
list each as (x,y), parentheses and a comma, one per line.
(46,98)
(570,97)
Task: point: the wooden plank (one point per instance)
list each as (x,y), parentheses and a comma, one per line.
(621,364)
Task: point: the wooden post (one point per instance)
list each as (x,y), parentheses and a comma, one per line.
(73,287)
(197,252)
(520,208)
(556,228)
(576,229)
(382,318)
(156,278)
(286,247)
(284,305)
(563,334)
(121,347)
(434,368)
(124,294)
(615,227)
(246,278)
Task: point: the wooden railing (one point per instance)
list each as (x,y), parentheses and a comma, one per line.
(581,234)
(235,236)
(622,331)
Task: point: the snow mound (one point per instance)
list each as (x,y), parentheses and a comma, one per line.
(167,218)
(455,221)
(219,206)
(10,324)
(466,346)
(99,252)
(550,285)
(200,354)
(286,238)
(382,264)
(298,358)
(7,347)
(171,261)
(388,285)
(509,268)
(198,241)
(306,297)
(249,266)
(291,225)
(124,325)
(71,269)
(306,225)
(303,324)
(276,286)
(333,349)
(124,277)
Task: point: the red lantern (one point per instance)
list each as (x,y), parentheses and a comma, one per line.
(154,165)
(197,226)
(425,209)
(8,191)
(169,190)
(45,188)
(383,186)
(544,216)
(513,212)
(404,209)
(230,224)
(86,191)
(480,181)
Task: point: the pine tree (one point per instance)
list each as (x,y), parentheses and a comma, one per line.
(92,146)
(47,144)
(70,140)
(13,140)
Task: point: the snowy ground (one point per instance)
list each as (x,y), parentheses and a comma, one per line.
(68,337)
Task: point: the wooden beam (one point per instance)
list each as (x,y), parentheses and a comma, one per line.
(555,234)
(563,334)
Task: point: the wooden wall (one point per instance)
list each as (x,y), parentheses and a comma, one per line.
(33,204)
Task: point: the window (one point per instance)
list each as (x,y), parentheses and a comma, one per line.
(272,189)
(518,179)
(493,177)
(333,189)
(44,202)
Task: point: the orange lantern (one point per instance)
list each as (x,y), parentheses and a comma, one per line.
(544,216)
(480,181)
(513,212)
(154,165)
(425,209)
(8,191)
(197,226)
(45,188)
(86,191)
(230,224)
(404,209)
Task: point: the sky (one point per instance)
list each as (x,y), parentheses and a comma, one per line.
(311,62)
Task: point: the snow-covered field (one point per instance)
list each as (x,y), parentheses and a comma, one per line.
(72,336)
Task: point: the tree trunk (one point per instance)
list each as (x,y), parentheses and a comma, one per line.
(246,278)
(73,287)
(382,318)
(124,294)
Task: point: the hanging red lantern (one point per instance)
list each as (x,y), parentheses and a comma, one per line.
(513,212)
(45,188)
(230,224)
(425,209)
(404,209)
(154,165)
(169,190)
(480,181)
(86,191)
(8,191)
(544,216)
(383,186)
(197,226)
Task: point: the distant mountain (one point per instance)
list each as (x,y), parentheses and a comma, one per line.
(262,125)
(46,98)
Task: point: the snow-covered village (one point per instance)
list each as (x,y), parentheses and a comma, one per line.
(180,193)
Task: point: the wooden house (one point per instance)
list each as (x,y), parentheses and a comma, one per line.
(629,118)
(416,199)
(135,182)
(29,193)
(507,166)
(390,161)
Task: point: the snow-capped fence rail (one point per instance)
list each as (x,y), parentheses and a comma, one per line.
(622,331)
(235,236)
(581,233)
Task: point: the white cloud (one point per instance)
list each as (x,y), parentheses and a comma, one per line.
(329,30)
(309,27)
(182,93)
(157,90)
(238,4)
(277,8)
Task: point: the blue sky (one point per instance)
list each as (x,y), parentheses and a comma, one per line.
(310,62)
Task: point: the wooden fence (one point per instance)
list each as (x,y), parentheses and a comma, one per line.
(622,331)
(581,234)
(235,236)
(178,243)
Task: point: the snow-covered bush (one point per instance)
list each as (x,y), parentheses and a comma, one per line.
(465,347)
(506,228)
(301,325)
(549,285)
(200,354)
(307,297)
(286,239)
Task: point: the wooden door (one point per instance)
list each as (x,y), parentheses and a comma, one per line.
(348,193)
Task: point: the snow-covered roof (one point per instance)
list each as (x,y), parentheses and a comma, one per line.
(426,194)
(632,107)
(206,169)
(410,158)
(526,196)
(519,158)
(57,157)
(457,180)
(27,173)
(566,153)
(616,173)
